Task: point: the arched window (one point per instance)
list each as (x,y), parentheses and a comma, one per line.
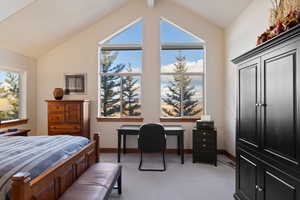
(120,71)
(182,73)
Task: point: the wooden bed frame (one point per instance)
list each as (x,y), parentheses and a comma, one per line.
(52,183)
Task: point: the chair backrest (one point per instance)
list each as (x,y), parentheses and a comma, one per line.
(152,138)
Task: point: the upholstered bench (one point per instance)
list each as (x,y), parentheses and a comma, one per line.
(96,183)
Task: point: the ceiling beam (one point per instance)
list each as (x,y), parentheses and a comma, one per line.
(151,3)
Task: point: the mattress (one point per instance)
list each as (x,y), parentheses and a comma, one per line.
(33,154)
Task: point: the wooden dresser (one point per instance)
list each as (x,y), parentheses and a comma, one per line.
(69,117)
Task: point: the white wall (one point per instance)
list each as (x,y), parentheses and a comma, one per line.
(27,66)
(79,54)
(240,37)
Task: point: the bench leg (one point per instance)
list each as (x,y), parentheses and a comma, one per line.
(120,183)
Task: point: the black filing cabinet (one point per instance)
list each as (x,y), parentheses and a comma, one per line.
(205,146)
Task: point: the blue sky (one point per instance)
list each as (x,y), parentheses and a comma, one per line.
(2,76)
(169,33)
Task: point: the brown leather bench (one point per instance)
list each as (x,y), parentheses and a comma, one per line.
(96,183)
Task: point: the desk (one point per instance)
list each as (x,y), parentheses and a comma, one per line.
(175,130)
(19,132)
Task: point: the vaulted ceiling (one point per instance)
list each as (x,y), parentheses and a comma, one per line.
(220,12)
(33,27)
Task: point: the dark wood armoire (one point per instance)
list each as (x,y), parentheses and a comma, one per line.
(268,120)
(69,117)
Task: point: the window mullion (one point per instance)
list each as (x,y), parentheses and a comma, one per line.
(121,97)
(181,100)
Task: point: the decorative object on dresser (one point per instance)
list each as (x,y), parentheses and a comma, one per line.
(69,117)
(205,142)
(58,93)
(17,132)
(75,83)
(284,15)
(268,113)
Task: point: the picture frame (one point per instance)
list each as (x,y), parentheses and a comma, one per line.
(75,83)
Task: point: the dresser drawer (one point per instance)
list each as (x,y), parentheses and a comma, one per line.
(205,157)
(56,108)
(206,139)
(206,147)
(64,128)
(204,133)
(56,118)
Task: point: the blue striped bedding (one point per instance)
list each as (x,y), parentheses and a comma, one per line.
(33,154)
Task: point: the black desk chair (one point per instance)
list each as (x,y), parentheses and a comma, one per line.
(152,139)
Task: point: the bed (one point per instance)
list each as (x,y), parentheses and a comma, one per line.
(43,167)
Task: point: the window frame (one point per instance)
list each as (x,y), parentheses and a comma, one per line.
(22,119)
(119,47)
(184,46)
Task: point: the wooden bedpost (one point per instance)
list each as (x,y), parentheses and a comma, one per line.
(21,189)
(97,142)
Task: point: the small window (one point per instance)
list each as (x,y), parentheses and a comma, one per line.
(9,95)
(182,73)
(120,72)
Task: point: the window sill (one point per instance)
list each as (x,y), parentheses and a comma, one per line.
(179,119)
(110,119)
(6,124)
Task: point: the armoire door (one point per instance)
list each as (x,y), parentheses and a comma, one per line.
(246,176)
(280,79)
(275,185)
(248,103)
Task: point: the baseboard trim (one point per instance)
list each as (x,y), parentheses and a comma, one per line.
(186,151)
(227,154)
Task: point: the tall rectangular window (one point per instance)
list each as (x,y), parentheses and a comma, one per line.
(9,95)
(182,73)
(120,75)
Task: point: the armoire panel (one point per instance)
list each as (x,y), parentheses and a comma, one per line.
(279,129)
(248,96)
(247,177)
(275,188)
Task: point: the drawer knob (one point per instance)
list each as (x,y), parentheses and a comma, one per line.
(204,133)
(204,145)
(204,140)
(258,188)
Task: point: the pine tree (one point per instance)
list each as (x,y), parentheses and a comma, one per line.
(110,95)
(9,91)
(180,94)
(130,103)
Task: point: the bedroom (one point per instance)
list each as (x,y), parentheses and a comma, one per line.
(49,44)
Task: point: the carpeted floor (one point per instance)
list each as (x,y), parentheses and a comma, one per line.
(180,182)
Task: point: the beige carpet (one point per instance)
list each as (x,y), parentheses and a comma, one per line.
(180,182)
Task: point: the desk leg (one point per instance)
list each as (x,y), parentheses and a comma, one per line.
(178,145)
(124,143)
(182,147)
(119,146)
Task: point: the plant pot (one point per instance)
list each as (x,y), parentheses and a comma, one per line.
(58,93)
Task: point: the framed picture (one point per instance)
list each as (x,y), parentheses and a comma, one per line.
(75,83)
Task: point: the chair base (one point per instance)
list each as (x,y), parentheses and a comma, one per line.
(154,170)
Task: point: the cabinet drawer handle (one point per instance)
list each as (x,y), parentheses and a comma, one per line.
(204,145)
(258,188)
